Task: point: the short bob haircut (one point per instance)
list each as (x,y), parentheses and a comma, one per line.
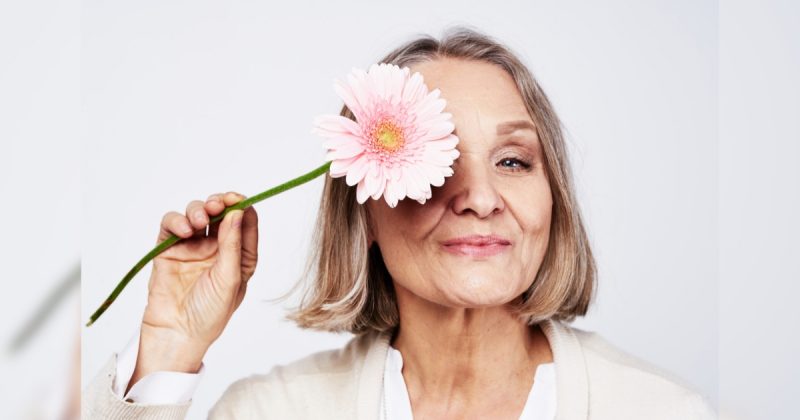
(348,286)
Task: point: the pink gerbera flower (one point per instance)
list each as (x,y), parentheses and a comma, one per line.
(401,143)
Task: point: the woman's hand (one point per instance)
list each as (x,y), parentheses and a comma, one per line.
(196,284)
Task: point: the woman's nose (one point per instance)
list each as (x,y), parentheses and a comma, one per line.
(474,190)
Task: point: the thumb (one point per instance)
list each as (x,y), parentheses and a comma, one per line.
(229,241)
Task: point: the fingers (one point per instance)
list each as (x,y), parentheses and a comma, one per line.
(174,223)
(216,203)
(198,218)
(198,215)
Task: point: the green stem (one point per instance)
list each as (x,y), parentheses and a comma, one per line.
(173,239)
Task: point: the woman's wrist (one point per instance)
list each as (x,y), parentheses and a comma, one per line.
(162,350)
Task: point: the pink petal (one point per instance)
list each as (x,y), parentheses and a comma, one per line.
(430,105)
(345,91)
(374,178)
(396,82)
(431,119)
(361,192)
(437,158)
(438,131)
(339,142)
(343,140)
(395,172)
(358,85)
(447,143)
(395,189)
(357,170)
(433,174)
(346,151)
(391,201)
(414,89)
(339,167)
(375,79)
(416,182)
(393,193)
(333,125)
(381,188)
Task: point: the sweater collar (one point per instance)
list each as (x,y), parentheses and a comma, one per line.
(370,382)
(572,388)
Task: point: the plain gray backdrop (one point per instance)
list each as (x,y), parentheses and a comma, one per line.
(185,99)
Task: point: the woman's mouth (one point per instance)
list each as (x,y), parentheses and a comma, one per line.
(477,245)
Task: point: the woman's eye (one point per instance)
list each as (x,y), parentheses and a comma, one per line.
(514,164)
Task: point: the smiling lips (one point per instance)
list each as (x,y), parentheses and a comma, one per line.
(477,245)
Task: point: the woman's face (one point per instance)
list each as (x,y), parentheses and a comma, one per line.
(480,239)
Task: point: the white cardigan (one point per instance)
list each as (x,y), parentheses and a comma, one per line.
(594,380)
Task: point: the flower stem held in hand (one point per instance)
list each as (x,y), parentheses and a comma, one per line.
(174,238)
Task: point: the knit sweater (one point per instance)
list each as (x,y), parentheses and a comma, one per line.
(594,380)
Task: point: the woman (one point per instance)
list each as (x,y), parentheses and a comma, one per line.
(459,305)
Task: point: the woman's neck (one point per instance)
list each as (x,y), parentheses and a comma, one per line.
(456,358)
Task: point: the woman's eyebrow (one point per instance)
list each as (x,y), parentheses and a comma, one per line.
(512,126)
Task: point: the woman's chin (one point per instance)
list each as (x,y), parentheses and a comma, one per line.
(476,293)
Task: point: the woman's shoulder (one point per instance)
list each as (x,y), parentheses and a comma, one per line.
(319,381)
(617,379)
(602,354)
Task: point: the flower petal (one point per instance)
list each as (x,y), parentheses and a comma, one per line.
(347,93)
(358,85)
(381,188)
(448,143)
(395,190)
(430,105)
(414,89)
(438,158)
(433,174)
(339,167)
(357,170)
(417,184)
(374,177)
(438,131)
(361,192)
(333,125)
(346,151)
(342,140)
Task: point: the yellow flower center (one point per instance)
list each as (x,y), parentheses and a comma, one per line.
(389,137)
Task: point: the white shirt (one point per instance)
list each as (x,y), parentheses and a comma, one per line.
(178,387)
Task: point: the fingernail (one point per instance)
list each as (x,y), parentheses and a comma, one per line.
(237,218)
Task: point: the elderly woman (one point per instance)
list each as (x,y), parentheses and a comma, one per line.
(459,306)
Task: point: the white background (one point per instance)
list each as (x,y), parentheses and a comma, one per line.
(40,203)
(693,225)
(759,205)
